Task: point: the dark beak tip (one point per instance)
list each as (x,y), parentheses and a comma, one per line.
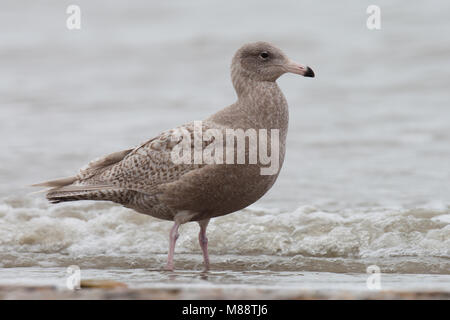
(309,73)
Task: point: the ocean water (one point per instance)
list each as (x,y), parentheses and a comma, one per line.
(367,170)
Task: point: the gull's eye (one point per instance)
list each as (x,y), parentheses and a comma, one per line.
(264,55)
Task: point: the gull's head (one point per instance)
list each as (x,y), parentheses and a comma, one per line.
(262,61)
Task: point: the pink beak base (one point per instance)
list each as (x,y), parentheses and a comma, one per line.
(297,68)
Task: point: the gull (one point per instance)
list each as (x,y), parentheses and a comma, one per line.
(148,180)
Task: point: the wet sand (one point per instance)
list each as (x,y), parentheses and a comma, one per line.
(52,283)
(181,293)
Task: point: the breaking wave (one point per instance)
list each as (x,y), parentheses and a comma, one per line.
(102,235)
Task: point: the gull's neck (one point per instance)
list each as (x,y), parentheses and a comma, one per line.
(260,105)
(261,100)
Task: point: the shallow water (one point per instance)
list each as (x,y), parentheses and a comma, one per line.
(366,175)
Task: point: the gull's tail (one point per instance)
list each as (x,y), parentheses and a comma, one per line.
(58,183)
(82,188)
(64,189)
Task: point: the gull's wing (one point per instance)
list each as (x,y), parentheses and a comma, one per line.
(146,167)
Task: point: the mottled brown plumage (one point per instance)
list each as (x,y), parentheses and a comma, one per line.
(147,180)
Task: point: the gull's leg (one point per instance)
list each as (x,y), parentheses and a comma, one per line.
(173,239)
(203,240)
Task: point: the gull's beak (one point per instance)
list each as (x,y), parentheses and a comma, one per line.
(297,68)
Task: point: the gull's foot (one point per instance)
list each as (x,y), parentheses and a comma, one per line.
(169,267)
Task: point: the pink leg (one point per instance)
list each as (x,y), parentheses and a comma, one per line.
(203,240)
(173,239)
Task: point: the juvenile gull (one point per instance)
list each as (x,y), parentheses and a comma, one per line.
(148,180)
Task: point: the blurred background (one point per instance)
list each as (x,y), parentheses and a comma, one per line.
(373,126)
(367,168)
